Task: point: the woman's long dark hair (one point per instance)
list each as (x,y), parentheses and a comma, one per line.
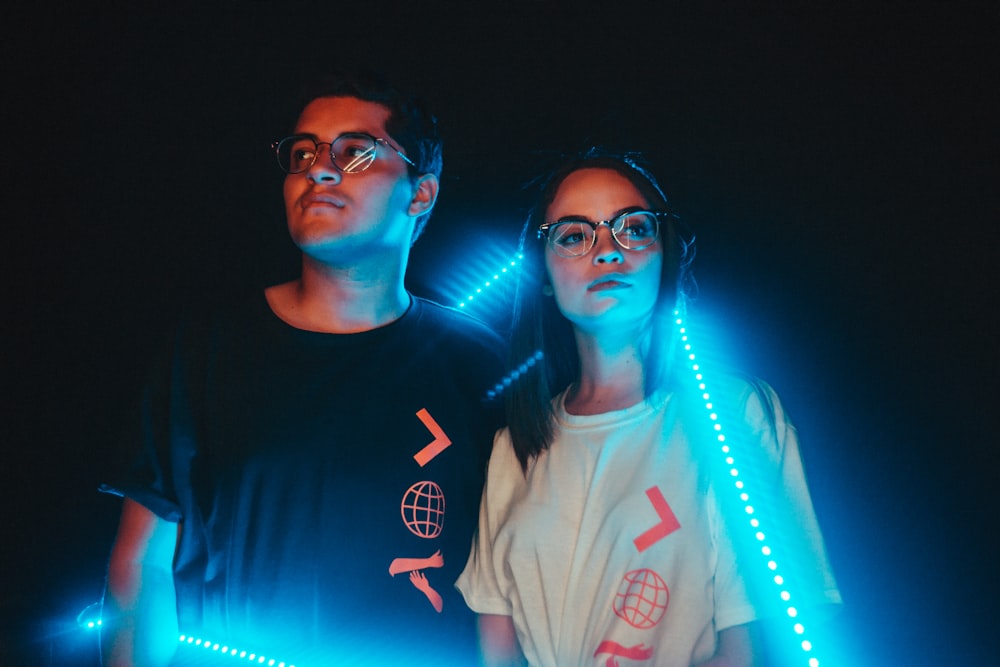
(539,326)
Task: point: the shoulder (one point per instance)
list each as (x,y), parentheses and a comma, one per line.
(750,410)
(454,324)
(205,326)
(505,474)
(239,310)
(459,320)
(738,395)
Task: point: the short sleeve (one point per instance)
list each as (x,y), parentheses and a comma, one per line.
(731,599)
(767,447)
(483,582)
(159,432)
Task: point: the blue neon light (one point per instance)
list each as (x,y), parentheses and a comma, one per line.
(90,617)
(509,379)
(233,652)
(754,522)
(499,275)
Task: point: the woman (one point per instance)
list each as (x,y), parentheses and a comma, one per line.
(602,537)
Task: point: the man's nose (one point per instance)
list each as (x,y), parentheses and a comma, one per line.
(322,170)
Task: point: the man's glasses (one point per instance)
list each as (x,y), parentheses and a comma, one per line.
(574,237)
(350,153)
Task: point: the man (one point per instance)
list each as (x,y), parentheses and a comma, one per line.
(312,460)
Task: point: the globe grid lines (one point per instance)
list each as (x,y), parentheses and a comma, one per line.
(423,509)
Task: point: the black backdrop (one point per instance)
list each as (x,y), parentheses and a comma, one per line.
(838,166)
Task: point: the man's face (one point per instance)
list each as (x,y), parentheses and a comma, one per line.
(346,219)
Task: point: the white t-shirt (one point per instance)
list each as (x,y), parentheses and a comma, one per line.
(613,545)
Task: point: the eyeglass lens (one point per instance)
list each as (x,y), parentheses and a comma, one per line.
(351,153)
(632,231)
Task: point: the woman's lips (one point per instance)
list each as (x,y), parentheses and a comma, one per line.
(607,283)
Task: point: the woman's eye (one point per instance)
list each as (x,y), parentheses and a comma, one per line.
(639,227)
(571,236)
(639,231)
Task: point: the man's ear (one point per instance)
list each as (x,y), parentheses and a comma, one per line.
(424,195)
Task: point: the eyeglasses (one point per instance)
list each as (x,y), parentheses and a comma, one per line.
(351,153)
(574,237)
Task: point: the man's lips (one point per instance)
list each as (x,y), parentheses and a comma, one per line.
(317,199)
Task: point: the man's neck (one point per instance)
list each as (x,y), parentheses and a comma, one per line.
(331,300)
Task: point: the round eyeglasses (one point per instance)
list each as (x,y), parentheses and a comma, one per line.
(574,237)
(351,153)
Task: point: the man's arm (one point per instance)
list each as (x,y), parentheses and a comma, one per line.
(139,619)
(498,643)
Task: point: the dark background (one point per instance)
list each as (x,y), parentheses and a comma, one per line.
(837,164)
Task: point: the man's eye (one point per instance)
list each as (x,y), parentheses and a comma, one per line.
(356,151)
(301,157)
(353,149)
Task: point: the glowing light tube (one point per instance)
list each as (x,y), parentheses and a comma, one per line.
(234,653)
(742,494)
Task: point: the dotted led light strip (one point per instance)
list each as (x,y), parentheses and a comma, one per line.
(233,652)
(740,485)
(509,379)
(503,271)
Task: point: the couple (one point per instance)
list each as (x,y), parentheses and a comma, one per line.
(312,460)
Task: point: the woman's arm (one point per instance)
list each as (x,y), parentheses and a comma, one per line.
(498,643)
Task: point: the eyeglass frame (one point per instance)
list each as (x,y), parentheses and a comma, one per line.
(333,159)
(543,230)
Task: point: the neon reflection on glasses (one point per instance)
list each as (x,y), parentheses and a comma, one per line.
(350,153)
(574,237)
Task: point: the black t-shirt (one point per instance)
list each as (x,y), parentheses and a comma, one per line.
(328,484)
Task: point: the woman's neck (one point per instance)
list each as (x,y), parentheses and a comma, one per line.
(612,375)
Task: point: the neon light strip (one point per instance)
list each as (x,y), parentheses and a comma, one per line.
(239,654)
(489,283)
(508,379)
(740,485)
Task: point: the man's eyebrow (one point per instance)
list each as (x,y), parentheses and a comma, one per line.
(315,137)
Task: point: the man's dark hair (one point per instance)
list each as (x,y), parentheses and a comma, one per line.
(410,124)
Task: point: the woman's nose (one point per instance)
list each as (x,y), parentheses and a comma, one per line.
(606,249)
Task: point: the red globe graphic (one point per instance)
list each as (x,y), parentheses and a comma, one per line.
(642,598)
(423,509)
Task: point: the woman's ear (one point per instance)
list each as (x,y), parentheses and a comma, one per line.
(424,195)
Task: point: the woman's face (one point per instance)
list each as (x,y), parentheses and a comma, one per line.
(608,286)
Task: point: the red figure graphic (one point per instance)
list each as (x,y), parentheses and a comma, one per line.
(410,564)
(616,650)
(420,581)
(642,599)
(438,445)
(423,509)
(668,522)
